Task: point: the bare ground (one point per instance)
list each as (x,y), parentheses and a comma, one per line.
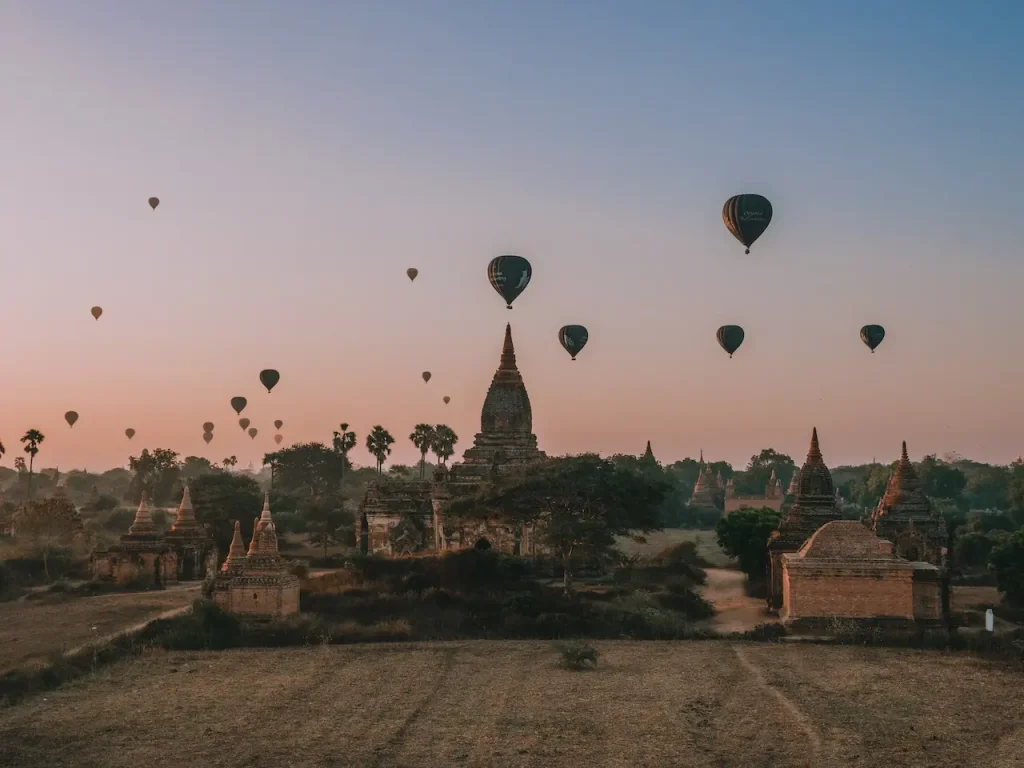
(31,630)
(494,703)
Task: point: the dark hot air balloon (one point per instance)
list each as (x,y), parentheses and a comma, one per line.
(269,377)
(447,399)
(238,403)
(573,339)
(278,424)
(509,276)
(426,375)
(412,272)
(244,423)
(278,439)
(747,217)
(207,436)
(154,202)
(253,432)
(207,426)
(71,417)
(130,432)
(872,335)
(730,337)
(96,312)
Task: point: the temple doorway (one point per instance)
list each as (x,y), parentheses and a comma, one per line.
(482,544)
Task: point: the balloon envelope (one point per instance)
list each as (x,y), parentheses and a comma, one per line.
(244,423)
(747,217)
(412,272)
(730,337)
(426,375)
(238,403)
(573,339)
(71,417)
(96,312)
(872,335)
(447,399)
(154,202)
(252,432)
(130,432)
(278,424)
(278,439)
(207,426)
(509,276)
(269,377)
(207,436)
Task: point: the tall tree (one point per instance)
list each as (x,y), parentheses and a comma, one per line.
(229,462)
(941,480)
(310,469)
(578,504)
(221,498)
(325,518)
(156,473)
(47,525)
(378,443)
(423,437)
(32,439)
(743,534)
(443,444)
(1007,560)
(759,470)
(344,441)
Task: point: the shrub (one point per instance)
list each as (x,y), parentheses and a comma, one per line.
(119,520)
(577,656)
(205,628)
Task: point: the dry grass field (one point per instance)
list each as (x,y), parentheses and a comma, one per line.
(707,545)
(511,704)
(31,630)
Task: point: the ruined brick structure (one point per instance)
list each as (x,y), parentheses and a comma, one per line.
(257,584)
(142,555)
(191,541)
(771,499)
(814,504)
(905,516)
(399,517)
(844,571)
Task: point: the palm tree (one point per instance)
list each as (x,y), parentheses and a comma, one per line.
(378,443)
(344,441)
(32,439)
(229,462)
(423,438)
(444,442)
(2,450)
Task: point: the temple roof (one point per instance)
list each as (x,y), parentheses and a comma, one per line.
(186,516)
(143,523)
(507,405)
(815,479)
(649,454)
(904,500)
(846,540)
(236,554)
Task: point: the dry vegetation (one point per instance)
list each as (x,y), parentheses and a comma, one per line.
(512,704)
(658,541)
(32,630)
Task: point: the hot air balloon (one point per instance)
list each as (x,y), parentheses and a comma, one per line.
(747,217)
(872,335)
(238,403)
(207,426)
(130,433)
(509,276)
(154,202)
(278,424)
(730,337)
(278,439)
(207,436)
(253,432)
(573,338)
(269,377)
(96,312)
(426,375)
(71,417)
(412,272)
(447,399)
(244,423)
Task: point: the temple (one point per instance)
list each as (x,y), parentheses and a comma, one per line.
(256,583)
(708,491)
(648,454)
(142,556)
(905,516)
(771,499)
(191,541)
(404,517)
(813,505)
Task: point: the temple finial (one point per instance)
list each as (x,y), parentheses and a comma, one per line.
(904,456)
(508,351)
(255,536)
(814,452)
(265,514)
(237,550)
(143,522)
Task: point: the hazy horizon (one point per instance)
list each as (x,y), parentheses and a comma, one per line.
(306,156)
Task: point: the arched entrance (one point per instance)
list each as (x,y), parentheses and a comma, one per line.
(482,544)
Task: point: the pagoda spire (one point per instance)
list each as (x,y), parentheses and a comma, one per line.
(143,523)
(814,452)
(649,454)
(265,514)
(508,351)
(237,551)
(186,514)
(254,541)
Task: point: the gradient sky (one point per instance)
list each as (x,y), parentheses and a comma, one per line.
(307,153)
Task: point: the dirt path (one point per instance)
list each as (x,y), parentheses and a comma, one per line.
(734,610)
(31,630)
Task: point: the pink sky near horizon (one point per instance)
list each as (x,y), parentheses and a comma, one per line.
(287,222)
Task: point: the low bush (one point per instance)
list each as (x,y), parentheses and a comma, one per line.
(577,656)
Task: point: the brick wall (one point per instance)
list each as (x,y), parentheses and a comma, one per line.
(883,595)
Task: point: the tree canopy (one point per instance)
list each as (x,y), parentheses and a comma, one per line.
(156,473)
(307,469)
(743,534)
